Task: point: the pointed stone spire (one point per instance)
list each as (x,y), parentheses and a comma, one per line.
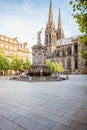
(60,33)
(50,32)
(59,20)
(50,12)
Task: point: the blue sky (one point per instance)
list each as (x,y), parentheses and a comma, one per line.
(23,18)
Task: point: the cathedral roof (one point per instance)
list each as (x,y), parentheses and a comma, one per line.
(66,41)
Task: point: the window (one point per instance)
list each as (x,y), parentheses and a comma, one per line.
(1,38)
(11,41)
(6,46)
(11,47)
(63,52)
(69,50)
(57,53)
(76,62)
(15,42)
(6,52)
(76,47)
(2,45)
(20,54)
(69,63)
(7,39)
(15,48)
(60,52)
(50,38)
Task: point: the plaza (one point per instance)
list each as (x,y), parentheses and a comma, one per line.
(44,105)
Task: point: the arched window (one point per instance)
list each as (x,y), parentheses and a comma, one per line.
(57,53)
(50,38)
(69,50)
(76,63)
(76,48)
(63,62)
(69,63)
(46,42)
(63,52)
(76,55)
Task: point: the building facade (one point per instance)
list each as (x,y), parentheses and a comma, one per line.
(58,48)
(12,47)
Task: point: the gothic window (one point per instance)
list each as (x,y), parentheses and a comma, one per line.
(76,55)
(57,53)
(63,52)
(47,39)
(69,50)
(69,63)
(63,62)
(76,63)
(76,48)
(50,38)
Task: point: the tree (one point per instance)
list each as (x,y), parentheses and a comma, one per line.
(16,63)
(80,14)
(60,68)
(26,64)
(48,63)
(4,62)
(55,67)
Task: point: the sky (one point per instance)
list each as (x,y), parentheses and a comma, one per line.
(24,18)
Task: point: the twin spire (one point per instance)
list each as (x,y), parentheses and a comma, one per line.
(59,19)
(50,12)
(60,33)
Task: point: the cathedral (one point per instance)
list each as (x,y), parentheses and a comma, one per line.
(58,48)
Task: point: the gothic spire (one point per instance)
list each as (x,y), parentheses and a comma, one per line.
(50,12)
(60,33)
(59,20)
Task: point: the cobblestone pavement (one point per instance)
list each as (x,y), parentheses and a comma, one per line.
(44,105)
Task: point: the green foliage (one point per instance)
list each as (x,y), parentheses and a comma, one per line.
(48,63)
(16,63)
(26,64)
(84,55)
(80,14)
(4,62)
(55,67)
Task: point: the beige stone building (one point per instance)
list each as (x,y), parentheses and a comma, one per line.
(12,47)
(58,48)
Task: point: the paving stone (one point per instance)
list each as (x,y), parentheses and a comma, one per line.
(78,126)
(39,127)
(19,128)
(61,127)
(41,112)
(6,124)
(10,116)
(25,123)
(42,104)
(82,114)
(61,120)
(80,119)
(44,121)
(25,113)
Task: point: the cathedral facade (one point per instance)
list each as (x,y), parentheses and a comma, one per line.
(58,48)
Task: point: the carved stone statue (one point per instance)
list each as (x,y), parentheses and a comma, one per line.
(39,36)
